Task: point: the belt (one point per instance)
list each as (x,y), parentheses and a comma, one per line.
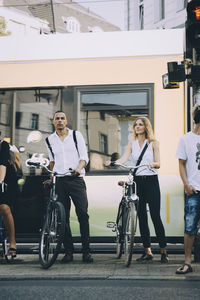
(146,177)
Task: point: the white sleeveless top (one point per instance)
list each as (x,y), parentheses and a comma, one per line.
(148,158)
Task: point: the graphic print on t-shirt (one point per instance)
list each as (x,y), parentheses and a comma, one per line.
(198,155)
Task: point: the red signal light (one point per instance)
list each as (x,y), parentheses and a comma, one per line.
(197,12)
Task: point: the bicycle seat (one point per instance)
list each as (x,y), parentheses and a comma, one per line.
(121,182)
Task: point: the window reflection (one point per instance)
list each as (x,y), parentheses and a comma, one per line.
(106,123)
(33,110)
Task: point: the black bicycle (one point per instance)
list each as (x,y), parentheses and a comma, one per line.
(53,229)
(126,222)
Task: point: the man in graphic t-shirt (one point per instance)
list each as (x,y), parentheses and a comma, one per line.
(188,153)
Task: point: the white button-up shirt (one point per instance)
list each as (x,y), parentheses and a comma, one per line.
(66,155)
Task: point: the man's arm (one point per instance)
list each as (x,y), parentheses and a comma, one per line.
(82,164)
(182,169)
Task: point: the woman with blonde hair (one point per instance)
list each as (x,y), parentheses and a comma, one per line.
(148,188)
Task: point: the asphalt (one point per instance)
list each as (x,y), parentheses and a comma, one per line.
(105,266)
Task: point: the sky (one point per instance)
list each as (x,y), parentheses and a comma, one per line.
(110,10)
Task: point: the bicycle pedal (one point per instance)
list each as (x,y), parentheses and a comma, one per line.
(111,224)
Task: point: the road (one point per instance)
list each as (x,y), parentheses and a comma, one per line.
(99,289)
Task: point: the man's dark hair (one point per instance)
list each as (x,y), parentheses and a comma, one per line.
(196,115)
(58,111)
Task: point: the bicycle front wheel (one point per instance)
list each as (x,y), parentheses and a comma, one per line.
(129,233)
(119,237)
(52,235)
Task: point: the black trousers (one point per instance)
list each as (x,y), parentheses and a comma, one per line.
(67,189)
(148,190)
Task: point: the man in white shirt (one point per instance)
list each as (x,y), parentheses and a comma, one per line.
(64,156)
(188,153)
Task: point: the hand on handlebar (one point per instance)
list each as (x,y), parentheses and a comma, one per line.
(47,182)
(109,163)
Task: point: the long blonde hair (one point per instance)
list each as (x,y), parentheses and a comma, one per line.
(148,129)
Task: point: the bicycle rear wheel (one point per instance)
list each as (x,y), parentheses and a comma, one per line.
(119,237)
(52,235)
(130,233)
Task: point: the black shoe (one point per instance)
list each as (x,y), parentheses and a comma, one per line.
(67,258)
(164,258)
(87,257)
(145,257)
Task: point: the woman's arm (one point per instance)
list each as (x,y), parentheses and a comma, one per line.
(2,173)
(124,157)
(126,154)
(156,154)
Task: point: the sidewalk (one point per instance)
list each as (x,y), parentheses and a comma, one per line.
(105,267)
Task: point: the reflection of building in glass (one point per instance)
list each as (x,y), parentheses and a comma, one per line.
(24,111)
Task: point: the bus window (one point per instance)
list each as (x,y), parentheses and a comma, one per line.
(106,121)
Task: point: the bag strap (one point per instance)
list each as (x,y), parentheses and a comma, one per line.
(49,146)
(140,158)
(75,141)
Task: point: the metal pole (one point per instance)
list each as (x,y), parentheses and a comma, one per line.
(53,18)
(13,118)
(128,15)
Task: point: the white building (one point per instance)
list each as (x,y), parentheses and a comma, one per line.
(155,14)
(20,23)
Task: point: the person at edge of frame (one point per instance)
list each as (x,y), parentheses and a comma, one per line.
(69,187)
(148,188)
(8,192)
(188,151)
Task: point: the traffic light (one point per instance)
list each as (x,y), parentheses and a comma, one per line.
(176,71)
(193,25)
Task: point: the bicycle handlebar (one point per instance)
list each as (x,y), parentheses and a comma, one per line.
(132,167)
(39,165)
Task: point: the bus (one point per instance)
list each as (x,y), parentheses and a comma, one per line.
(102,81)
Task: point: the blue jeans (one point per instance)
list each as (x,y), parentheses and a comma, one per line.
(192,213)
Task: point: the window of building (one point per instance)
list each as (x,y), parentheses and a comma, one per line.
(102,115)
(34,121)
(103,143)
(181,4)
(18,119)
(119,105)
(159,10)
(72,24)
(141,15)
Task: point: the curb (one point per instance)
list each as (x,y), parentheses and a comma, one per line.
(95,277)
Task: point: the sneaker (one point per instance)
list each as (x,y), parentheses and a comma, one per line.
(164,258)
(67,258)
(145,257)
(87,257)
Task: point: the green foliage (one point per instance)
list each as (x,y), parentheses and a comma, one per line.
(3,31)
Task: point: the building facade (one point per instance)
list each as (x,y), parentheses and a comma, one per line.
(155,14)
(61,16)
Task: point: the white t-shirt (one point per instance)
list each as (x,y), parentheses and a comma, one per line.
(189,150)
(147,158)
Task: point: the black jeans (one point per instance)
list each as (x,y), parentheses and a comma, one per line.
(148,190)
(67,189)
